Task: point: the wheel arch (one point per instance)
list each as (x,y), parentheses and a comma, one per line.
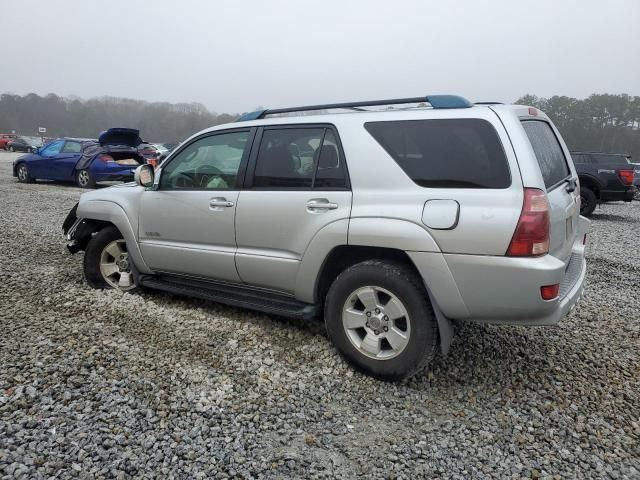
(17,164)
(591,183)
(102,212)
(344,256)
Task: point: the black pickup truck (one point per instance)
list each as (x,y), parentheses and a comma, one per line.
(604,177)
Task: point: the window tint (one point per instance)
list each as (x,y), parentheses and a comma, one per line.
(52,149)
(209,163)
(549,154)
(448,153)
(71,147)
(287,157)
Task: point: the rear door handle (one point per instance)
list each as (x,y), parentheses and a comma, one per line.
(321,204)
(220,202)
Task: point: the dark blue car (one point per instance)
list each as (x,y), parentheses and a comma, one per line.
(114,156)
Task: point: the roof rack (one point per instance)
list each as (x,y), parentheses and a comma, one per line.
(436,101)
(488,103)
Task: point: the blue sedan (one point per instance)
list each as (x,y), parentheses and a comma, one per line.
(114,156)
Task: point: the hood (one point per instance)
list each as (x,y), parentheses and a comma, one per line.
(129,137)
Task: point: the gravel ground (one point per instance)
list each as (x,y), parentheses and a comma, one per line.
(99,384)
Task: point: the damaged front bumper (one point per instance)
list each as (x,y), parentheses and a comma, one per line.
(76,230)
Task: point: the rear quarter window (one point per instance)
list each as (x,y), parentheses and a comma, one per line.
(445,153)
(548,151)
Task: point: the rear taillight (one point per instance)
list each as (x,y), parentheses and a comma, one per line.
(626,176)
(106,158)
(531,238)
(549,292)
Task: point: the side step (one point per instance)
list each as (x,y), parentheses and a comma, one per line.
(236,296)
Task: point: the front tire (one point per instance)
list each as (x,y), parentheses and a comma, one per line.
(106,261)
(84,179)
(379,317)
(588,201)
(23,173)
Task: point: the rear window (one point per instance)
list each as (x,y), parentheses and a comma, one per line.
(549,154)
(445,153)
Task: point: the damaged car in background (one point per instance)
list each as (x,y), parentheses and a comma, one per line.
(113,157)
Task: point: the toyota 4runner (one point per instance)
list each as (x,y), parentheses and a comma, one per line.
(388,218)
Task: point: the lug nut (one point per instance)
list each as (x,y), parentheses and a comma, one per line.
(377,310)
(377,332)
(386,319)
(367,324)
(368,314)
(385,328)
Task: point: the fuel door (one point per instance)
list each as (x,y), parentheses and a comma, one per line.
(441,214)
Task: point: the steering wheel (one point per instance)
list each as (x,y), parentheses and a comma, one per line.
(206,172)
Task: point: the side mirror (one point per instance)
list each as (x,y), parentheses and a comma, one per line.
(144,175)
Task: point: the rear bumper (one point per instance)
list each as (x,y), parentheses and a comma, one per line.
(506,290)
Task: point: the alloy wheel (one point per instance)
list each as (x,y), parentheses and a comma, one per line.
(376,322)
(83,178)
(22,173)
(115,266)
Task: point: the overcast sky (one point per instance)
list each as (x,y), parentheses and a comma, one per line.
(235,55)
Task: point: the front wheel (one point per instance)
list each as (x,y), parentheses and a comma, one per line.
(380,319)
(24,175)
(588,201)
(84,179)
(106,261)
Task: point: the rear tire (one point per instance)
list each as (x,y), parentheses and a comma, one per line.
(12,149)
(23,173)
(393,333)
(84,179)
(106,261)
(588,201)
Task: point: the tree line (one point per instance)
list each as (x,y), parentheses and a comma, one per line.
(599,123)
(603,123)
(75,117)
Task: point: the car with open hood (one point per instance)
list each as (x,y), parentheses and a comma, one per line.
(112,157)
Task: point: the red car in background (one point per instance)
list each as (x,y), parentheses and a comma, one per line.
(6,138)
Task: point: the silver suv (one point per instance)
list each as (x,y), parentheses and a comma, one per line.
(389,222)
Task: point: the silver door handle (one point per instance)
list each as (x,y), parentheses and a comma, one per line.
(321,205)
(220,202)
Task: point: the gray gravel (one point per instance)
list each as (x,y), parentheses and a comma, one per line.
(100,384)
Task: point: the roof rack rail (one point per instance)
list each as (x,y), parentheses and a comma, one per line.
(489,103)
(436,101)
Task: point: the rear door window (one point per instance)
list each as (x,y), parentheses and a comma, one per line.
(445,153)
(299,158)
(548,151)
